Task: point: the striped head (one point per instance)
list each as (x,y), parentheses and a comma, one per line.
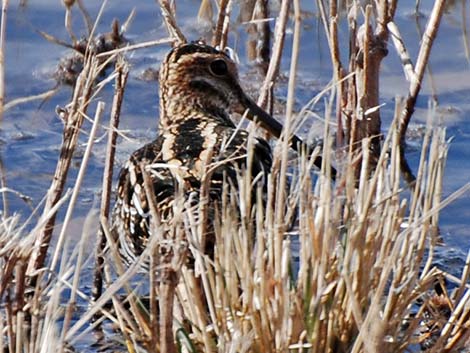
(196,78)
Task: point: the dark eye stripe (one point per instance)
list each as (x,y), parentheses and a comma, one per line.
(204,86)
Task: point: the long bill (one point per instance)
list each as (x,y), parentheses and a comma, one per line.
(274,127)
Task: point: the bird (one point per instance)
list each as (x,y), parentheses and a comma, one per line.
(199,93)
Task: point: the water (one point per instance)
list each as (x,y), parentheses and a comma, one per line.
(31,133)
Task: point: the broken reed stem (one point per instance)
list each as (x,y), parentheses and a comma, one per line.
(68,21)
(275,62)
(169,17)
(73,119)
(385,14)
(255,15)
(168,255)
(122,69)
(43,96)
(78,183)
(367,113)
(166,300)
(226,26)
(415,84)
(218,38)
(338,72)
(331,30)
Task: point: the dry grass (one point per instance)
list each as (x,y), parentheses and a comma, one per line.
(356,281)
(310,266)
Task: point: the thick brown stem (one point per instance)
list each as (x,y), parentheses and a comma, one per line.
(167,297)
(371,49)
(415,85)
(218,37)
(121,79)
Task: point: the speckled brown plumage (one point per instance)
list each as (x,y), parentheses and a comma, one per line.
(199,91)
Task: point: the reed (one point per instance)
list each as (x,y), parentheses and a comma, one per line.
(353,274)
(311,265)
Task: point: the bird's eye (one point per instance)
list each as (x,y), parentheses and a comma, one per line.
(218,67)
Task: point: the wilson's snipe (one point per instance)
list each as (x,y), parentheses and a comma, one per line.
(199,90)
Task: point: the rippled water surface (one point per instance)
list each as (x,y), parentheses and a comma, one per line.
(31,133)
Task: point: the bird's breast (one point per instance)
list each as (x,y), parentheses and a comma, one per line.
(193,144)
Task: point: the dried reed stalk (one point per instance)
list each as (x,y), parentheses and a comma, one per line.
(344,278)
(255,16)
(352,286)
(168,275)
(349,245)
(169,16)
(81,173)
(219,37)
(73,119)
(415,83)
(122,70)
(275,62)
(281,196)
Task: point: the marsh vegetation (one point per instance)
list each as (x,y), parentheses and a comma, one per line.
(322,264)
